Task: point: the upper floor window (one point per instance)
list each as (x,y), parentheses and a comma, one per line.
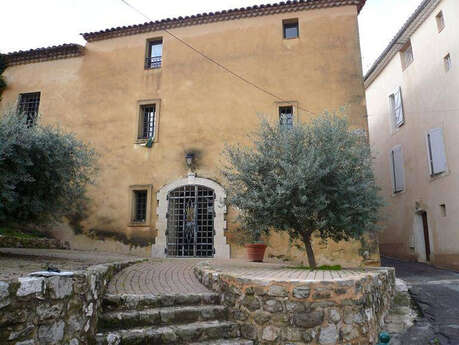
(398,170)
(154,53)
(290,28)
(447,62)
(147,121)
(407,55)
(286,116)
(440,21)
(28,105)
(436,151)
(396,108)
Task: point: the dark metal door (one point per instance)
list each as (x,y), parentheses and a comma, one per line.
(190,222)
(425,225)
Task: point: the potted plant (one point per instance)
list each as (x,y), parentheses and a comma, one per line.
(256,249)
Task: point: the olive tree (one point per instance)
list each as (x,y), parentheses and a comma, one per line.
(309,177)
(44,171)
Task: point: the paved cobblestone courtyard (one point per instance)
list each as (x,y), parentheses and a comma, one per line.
(170,276)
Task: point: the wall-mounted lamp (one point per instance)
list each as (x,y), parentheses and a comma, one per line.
(189,159)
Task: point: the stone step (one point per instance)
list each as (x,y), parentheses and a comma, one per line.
(140,302)
(196,332)
(160,316)
(235,341)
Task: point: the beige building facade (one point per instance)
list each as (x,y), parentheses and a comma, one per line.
(413,111)
(159,114)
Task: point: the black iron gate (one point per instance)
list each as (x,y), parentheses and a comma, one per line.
(190,222)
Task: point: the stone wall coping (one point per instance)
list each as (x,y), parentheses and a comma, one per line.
(230,271)
(51,274)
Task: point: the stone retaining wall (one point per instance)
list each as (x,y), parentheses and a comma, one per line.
(38,243)
(47,308)
(314,312)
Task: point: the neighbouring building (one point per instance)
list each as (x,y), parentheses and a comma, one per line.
(151,105)
(413,111)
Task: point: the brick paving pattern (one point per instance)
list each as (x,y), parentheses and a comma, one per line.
(170,276)
(282,272)
(176,276)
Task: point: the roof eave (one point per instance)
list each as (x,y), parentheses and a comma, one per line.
(400,39)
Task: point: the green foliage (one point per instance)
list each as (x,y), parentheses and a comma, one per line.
(6,231)
(43,171)
(2,80)
(312,177)
(318,268)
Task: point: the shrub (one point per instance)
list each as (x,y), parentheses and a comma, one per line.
(311,177)
(44,171)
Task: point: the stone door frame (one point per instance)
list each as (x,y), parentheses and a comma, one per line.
(222,249)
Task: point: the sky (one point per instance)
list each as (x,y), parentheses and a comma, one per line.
(28,24)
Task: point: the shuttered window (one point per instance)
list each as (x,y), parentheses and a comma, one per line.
(398,171)
(396,108)
(436,150)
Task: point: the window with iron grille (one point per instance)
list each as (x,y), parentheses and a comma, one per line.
(290,28)
(286,116)
(147,121)
(154,54)
(28,105)
(140,206)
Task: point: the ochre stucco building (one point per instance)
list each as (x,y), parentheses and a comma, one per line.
(413,107)
(144,99)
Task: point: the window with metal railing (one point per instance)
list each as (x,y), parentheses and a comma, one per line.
(154,57)
(28,105)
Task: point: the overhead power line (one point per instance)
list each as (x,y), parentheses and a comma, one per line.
(224,68)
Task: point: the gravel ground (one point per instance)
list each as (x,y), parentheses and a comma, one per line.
(17,262)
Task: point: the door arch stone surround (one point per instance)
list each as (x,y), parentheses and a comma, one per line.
(222,249)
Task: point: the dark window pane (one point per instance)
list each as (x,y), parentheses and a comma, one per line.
(286,116)
(148,121)
(28,105)
(140,206)
(291,30)
(155,54)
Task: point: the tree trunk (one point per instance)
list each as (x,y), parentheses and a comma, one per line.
(309,251)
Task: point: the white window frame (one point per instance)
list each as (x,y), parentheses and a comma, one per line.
(394,108)
(440,19)
(447,62)
(407,55)
(434,172)
(397,186)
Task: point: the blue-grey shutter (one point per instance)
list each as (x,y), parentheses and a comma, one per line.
(436,151)
(399,116)
(398,169)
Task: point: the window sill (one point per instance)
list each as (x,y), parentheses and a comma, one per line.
(435,177)
(143,142)
(407,66)
(138,225)
(396,194)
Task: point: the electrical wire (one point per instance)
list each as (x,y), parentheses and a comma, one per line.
(226,69)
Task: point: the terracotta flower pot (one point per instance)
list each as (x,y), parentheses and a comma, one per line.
(256,252)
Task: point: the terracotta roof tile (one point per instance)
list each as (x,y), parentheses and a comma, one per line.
(202,18)
(44,54)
